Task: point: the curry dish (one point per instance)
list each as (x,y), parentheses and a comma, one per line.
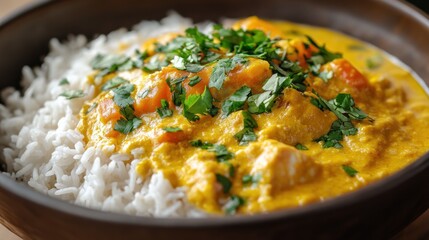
(258,117)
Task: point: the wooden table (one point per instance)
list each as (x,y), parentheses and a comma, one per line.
(419,229)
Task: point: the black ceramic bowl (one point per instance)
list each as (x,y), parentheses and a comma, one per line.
(375,212)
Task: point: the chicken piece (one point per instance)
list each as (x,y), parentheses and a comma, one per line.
(280,166)
(295,120)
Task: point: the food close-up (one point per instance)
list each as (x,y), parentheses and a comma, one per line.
(234,118)
(248,118)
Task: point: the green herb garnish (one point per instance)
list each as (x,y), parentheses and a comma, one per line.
(225,182)
(254,179)
(172,129)
(143,93)
(64,81)
(222,68)
(236,101)
(349,170)
(126,126)
(72,94)
(325,55)
(247,134)
(194,80)
(300,146)
(113,83)
(233,204)
(374,62)
(91,108)
(199,104)
(164,111)
(221,152)
(122,95)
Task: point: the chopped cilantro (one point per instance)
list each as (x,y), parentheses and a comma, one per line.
(261,103)
(199,104)
(343,106)
(233,204)
(64,81)
(254,179)
(112,62)
(71,94)
(91,108)
(122,95)
(172,129)
(225,182)
(222,68)
(349,170)
(193,68)
(194,80)
(126,126)
(300,146)
(247,134)
(179,92)
(374,62)
(144,93)
(113,83)
(325,55)
(164,111)
(236,101)
(221,152)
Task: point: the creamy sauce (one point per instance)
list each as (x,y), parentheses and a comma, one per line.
(283,176)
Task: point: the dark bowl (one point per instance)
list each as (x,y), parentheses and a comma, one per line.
(374,212)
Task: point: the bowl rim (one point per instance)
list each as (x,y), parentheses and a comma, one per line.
(379,187)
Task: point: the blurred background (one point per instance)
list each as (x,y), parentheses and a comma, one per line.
(418,230)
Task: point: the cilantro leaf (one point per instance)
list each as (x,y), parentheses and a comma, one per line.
(247,134)
(144,93)
(72,94)
(233,204)
(374,62)
(126,126)
(225,182)
(111,62)
(91,108)
(164,111)
(261,103)
(113,83)
(64,81)
(236,101)
(247,179)
(350,171)
(221,152)
(194,80)
(222,68)
(199,104)
(172,129)
(325,55)
(122,95)
(300,146)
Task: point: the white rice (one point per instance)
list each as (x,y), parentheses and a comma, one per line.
(41,146)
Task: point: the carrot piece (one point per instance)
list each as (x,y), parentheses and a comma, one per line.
(109,110)
(152,101)
(346,72)
(109,131)
(255,23)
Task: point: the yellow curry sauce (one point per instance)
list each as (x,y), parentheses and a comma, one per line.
(283,160)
